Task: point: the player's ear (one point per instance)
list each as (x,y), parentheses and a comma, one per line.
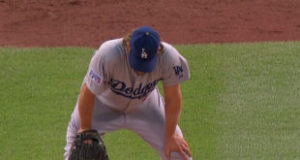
(160,49)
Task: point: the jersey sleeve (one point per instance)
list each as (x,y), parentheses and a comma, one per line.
(175,68)
(97,73)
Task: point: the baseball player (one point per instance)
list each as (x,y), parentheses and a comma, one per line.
(120,91)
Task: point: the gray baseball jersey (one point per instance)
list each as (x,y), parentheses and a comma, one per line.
(127,100)
(117,85)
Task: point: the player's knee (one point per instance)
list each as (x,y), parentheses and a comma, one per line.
(177,156)
(173,156)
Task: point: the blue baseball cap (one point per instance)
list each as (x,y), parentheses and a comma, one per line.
(144,45)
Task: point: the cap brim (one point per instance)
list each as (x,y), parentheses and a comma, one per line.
(142,65)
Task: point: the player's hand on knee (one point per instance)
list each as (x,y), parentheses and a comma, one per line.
(177,144)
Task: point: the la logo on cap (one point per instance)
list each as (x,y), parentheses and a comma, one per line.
(144,55)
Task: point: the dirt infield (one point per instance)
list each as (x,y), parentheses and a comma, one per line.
(90,22)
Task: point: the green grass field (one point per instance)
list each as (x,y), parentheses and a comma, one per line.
(241,103)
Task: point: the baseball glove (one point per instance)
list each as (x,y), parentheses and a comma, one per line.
(88,145)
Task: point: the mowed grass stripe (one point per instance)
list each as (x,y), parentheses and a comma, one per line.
(259,117)
(38,91)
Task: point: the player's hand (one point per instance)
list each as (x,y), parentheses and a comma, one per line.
(86,141)
(179,145)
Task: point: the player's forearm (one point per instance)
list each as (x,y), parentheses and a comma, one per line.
(85,108)
(172,111)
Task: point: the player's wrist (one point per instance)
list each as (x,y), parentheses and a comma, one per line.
(83,129)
